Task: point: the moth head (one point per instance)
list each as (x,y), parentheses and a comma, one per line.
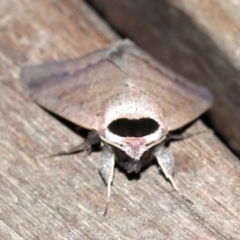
(133,136)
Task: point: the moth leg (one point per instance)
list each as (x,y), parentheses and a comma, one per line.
(166,162)
(91,139)
(106,168)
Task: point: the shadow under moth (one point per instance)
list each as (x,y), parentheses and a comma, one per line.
(127,100)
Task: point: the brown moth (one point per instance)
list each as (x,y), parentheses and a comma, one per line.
(125,98)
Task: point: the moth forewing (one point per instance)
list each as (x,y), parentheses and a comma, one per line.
(126,97)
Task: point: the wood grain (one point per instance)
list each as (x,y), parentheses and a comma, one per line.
(63,197)
(198,39)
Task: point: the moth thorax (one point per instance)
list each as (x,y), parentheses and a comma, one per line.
(133,136)
(133,128)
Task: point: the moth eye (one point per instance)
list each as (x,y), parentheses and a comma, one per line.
(133,128)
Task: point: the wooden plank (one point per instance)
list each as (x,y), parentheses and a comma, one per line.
(63,197)
(198,39)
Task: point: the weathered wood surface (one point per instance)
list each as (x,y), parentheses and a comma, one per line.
(199,39)
(63,197)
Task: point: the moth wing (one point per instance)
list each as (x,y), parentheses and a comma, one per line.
(177,100)
(74,89)
(79,89)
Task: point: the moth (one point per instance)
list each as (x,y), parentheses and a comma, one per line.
(128,101)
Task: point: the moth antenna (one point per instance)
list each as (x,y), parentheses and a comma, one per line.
(79,148)
(177,137)
(92,138)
